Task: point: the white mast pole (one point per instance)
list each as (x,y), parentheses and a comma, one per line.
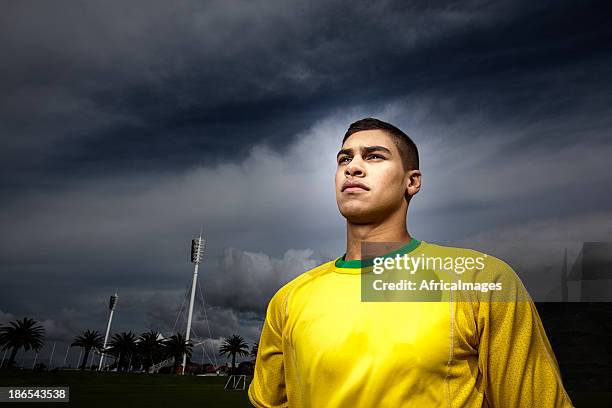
(35,358)
(66,356)
(52,352)
(79,359)
(197,246)
(111,306)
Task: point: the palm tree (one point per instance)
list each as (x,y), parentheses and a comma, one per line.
(175,346)
(25,333)
(124,346)
(90,339)
(150,348)
(254,350)
(234,345)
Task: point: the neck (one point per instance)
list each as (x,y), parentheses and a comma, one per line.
(391,229)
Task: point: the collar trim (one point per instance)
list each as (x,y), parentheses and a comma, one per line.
(359,263)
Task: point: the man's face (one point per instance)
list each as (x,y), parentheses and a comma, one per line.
(370,160)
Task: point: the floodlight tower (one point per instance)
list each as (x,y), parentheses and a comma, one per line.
(111,305)
(197,248)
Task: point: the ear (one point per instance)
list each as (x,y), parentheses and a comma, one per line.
(413,182)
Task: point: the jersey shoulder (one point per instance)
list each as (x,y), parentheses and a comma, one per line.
(279,300)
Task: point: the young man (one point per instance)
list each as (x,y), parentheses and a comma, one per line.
(330,340)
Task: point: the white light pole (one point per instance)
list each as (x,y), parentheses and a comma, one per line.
(197,248)
(111,306)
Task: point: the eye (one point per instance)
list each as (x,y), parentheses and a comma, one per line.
(375,156)
(342,159)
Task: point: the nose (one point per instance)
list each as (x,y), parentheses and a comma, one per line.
(354,169)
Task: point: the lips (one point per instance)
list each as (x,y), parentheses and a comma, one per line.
(353,186)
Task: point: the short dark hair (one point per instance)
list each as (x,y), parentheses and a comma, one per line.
(405,145)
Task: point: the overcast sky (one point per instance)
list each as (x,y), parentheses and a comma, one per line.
(126,127)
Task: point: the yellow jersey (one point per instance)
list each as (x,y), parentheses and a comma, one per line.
(322,345)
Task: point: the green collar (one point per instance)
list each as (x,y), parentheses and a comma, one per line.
(359,263)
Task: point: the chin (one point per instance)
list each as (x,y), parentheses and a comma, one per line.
(356,214)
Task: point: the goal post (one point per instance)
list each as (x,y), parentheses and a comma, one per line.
(236,382)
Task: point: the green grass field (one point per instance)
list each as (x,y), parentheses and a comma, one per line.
(113,390)
(92,389)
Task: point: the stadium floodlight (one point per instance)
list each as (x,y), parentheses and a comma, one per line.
(111,305)
(197,249)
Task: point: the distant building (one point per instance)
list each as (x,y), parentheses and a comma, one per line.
(590,278)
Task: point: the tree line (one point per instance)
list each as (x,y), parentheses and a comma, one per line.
(129,351)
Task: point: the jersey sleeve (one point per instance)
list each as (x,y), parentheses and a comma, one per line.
(515,356)
(268,390)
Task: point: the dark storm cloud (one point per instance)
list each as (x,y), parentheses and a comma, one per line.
(124,128)
(149,84)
